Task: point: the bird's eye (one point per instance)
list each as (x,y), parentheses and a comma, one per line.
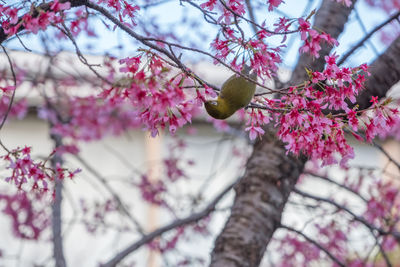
(213,103)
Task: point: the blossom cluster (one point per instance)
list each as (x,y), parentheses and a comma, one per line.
(227,9)
(95,214)
(264,59)
(37,19)
(292,246)
(233,44)
(313,118)
(18,109)
(236,5)
(79,24)
(155,94)
(150,96)
(30,175)
(387,5)
(123,8)
(169,242)
(395,125)
(152,191)
(312,38)
(28,212)
(91,118)
(155,190)
(384,204)
(19,106)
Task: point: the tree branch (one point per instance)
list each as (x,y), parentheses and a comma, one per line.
(11,98)
(315,243)
(251,15)
(327,179)
(58,251)
(121,205)
(360,219)
(362,41)
(177,223)
(35,13)
(384,152)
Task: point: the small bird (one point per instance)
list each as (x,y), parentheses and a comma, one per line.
(236,93)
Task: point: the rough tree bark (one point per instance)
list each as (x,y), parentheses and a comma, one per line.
(385,72)
(270,174)
(260,199)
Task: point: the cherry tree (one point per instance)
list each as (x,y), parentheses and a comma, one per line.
(294,128)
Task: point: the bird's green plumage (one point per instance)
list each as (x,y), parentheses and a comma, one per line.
(236,93)
(219,109)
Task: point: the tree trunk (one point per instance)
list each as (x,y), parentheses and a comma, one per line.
(260,199)
(270,174)
(385,72)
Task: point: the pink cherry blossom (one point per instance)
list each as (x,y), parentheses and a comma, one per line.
(273,4)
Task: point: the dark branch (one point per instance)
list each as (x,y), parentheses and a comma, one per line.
(35,13)
(366,37)
(355,217)
(325,178)
(12,96)
(315,243)
(251,15)
(384,152)
(114,194)
(58,250)
(177,223)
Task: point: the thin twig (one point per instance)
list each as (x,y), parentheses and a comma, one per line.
(12,96)
(148,42)
(81,57)
(385,256)
(22,43)
(152,4)
(35,13)
(177,223)
(114,194)
(315,243)
(327,179)
(360,219)
(380,148)
(251,15)
(254,23)
(390,158)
